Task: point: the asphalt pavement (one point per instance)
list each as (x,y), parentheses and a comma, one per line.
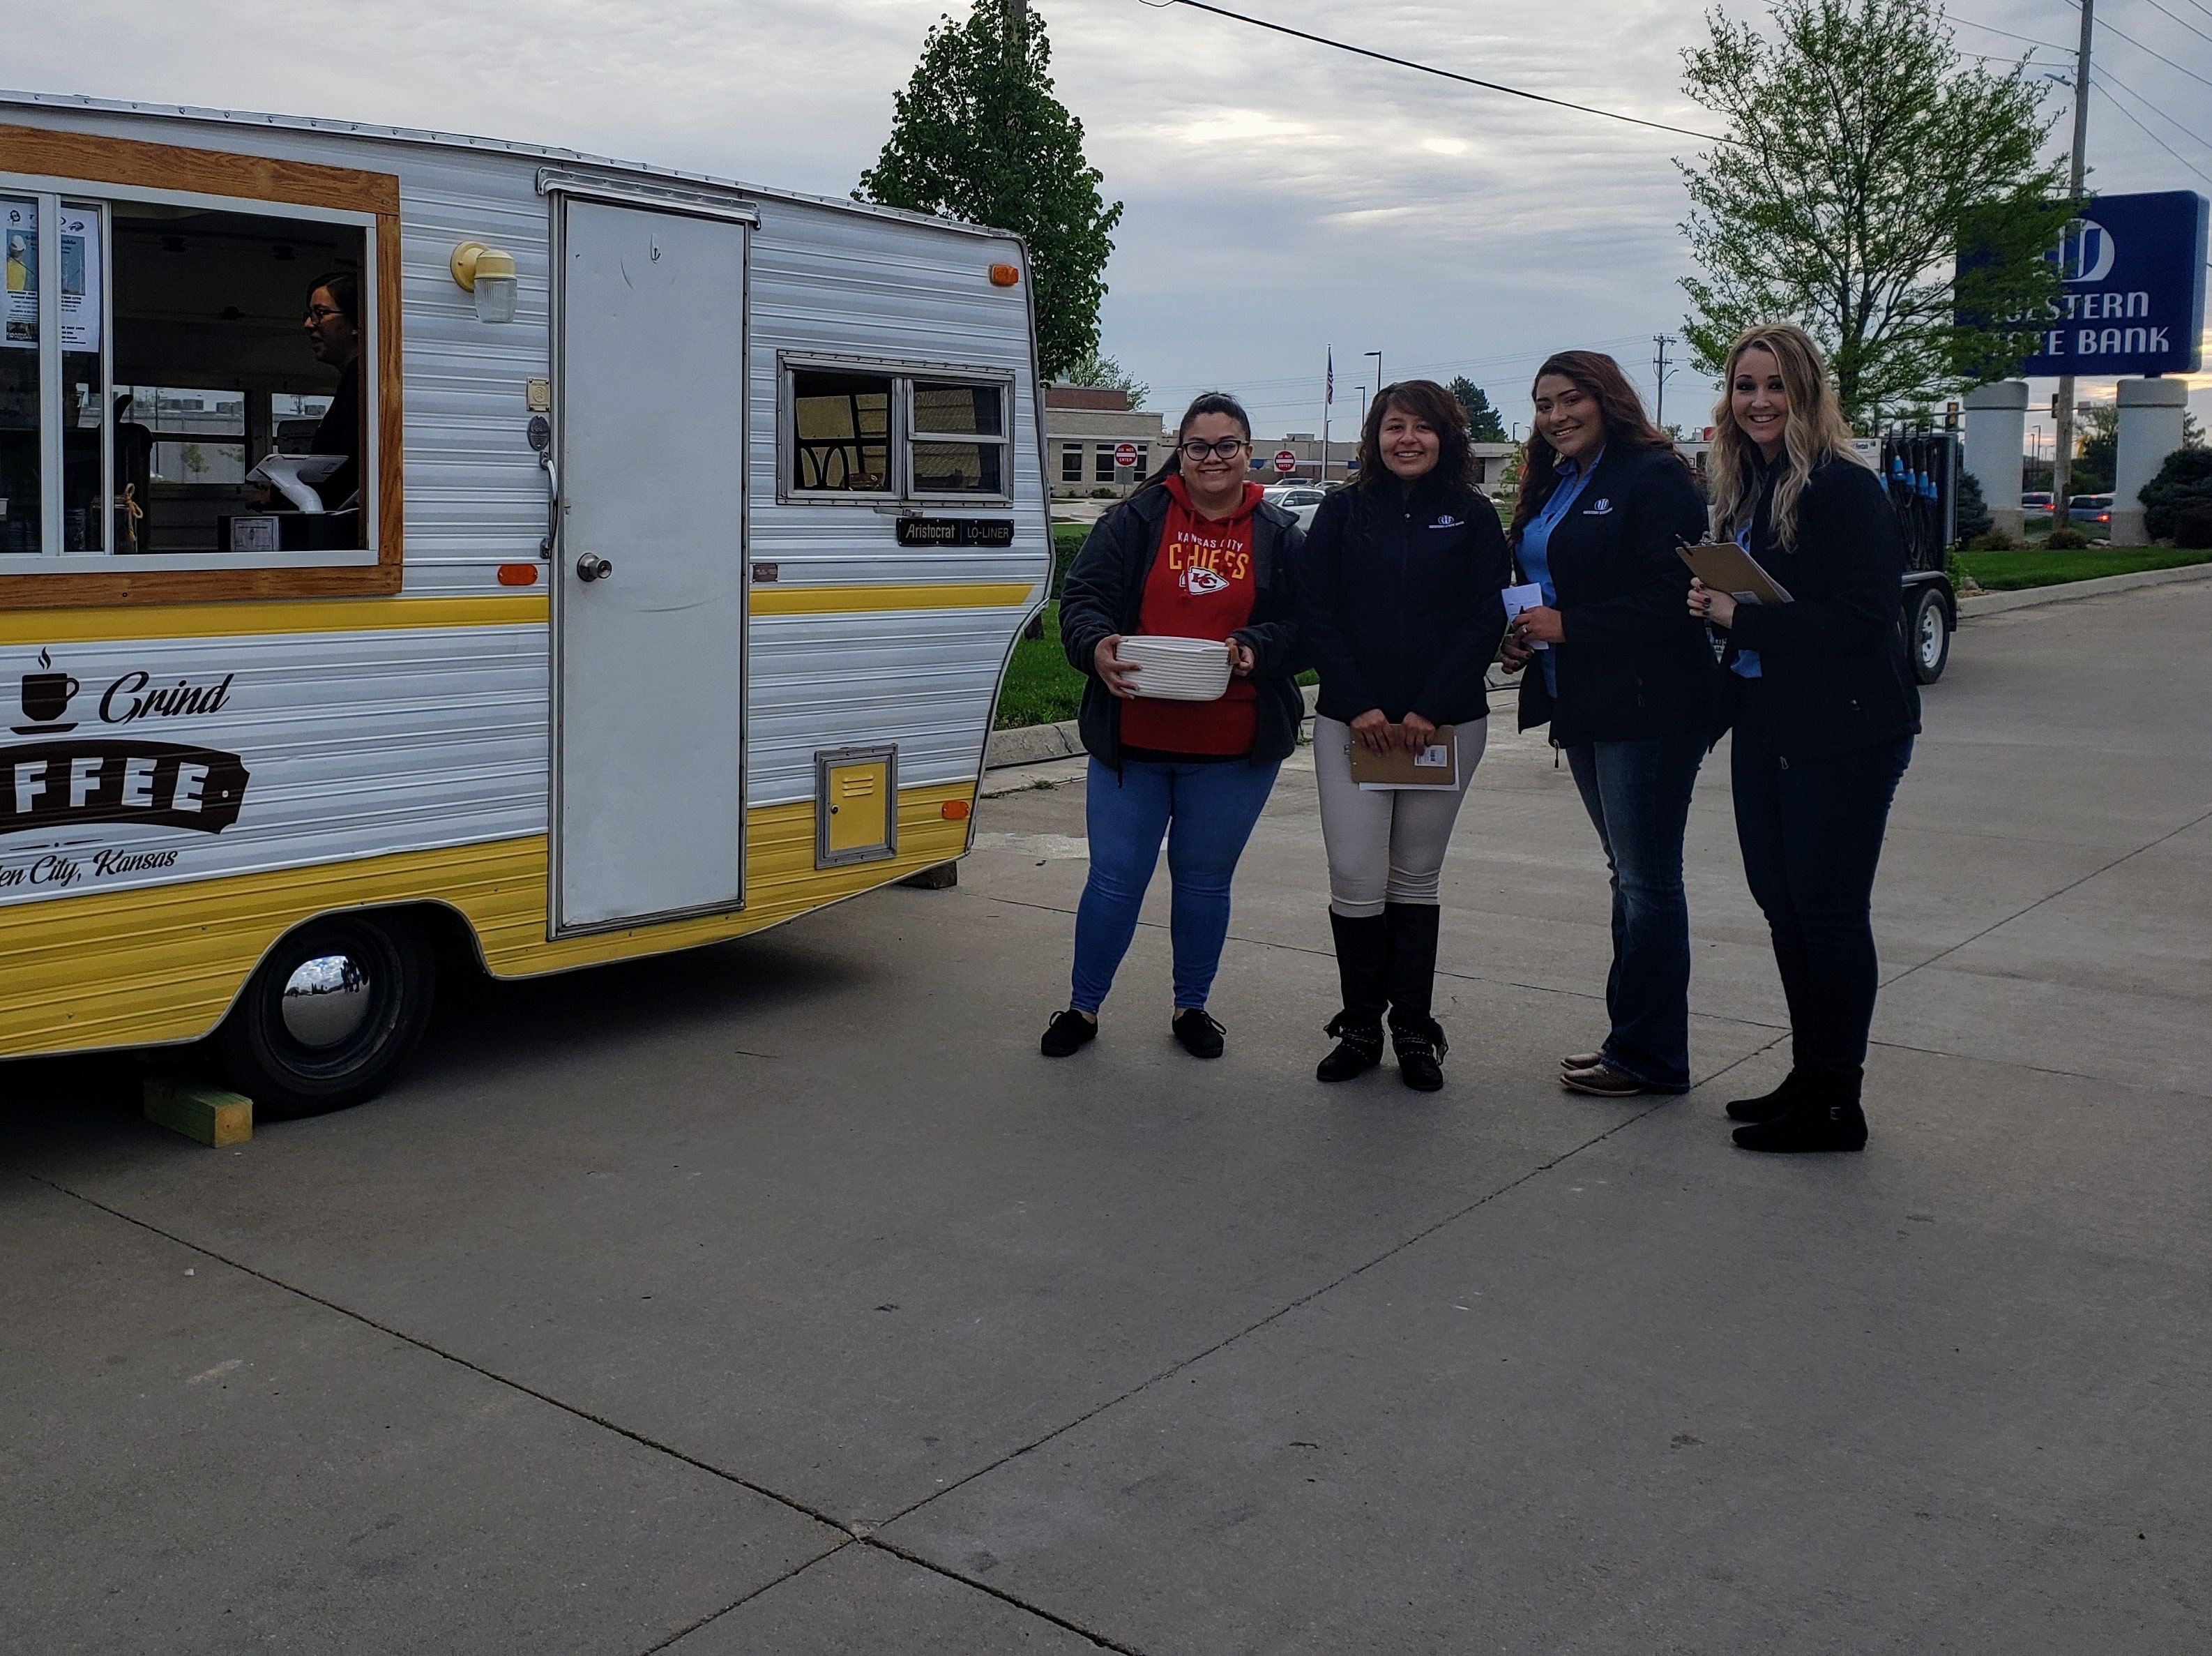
(779,1296)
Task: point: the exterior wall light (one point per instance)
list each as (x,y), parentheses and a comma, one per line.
(489,274)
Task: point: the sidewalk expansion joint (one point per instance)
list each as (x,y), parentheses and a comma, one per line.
(1312,1294)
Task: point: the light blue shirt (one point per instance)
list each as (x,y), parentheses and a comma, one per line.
(1535,547)
(1745,664)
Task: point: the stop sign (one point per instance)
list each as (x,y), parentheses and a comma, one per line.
(1125,454)
(1286,462)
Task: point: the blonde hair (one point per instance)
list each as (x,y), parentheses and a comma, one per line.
(1812,433)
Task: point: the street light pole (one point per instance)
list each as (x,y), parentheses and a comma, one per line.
(1377,356)
(2061,459)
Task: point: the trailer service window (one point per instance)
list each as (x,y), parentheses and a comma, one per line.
(892,434)
(194,343)
(198,374)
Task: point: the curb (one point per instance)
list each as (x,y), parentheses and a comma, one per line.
(1036,744)
(1978,604)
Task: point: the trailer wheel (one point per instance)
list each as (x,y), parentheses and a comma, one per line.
(1928,628)
(327,1017)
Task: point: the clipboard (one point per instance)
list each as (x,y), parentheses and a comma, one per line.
(1725,567)
(1433,769)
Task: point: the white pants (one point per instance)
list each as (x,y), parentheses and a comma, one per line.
(1385,847)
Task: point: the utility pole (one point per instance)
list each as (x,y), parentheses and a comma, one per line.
(2061,460)
(1377,356)
(1661,371)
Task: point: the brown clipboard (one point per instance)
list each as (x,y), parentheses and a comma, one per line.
(1725,567)
(1436,766)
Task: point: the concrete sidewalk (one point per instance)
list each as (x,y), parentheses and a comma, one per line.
(778,1297)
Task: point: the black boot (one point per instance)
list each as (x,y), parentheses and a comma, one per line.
(1358,1049)
(1363,968)
(1824,1115)
(1767,1105)
(1415,1034)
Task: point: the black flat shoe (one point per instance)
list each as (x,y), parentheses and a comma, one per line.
(1067,1031)
(1768,1106)
(1808,1127)
(1195,1028)
(1358,1049)
(1420,1047)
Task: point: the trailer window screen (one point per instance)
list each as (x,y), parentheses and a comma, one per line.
(842,432)
(895,433)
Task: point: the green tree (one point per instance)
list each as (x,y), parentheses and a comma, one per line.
(2100,450)
(1866,154)
(1483,424)
(1104,374)
(977,135)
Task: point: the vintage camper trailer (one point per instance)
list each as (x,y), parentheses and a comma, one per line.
(409,539)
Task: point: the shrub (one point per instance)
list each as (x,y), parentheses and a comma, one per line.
(2066,538)
(2193,525)
(2184,478)
(1973,510)
(1993,540)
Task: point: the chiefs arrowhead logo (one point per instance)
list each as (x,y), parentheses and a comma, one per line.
(1199,582)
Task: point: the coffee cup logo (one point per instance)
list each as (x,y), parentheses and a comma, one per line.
(47,696)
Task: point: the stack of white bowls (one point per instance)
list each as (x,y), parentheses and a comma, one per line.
(1177,669)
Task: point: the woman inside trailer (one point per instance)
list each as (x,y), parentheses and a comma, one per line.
(333,325)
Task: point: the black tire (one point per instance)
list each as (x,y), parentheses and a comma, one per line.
(392,975)
(1928,634)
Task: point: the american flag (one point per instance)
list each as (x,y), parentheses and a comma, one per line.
(1329,394)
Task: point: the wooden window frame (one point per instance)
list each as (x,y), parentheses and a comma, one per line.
(82,163)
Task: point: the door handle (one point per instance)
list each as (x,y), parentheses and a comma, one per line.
(592,567)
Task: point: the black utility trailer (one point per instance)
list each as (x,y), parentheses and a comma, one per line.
(1922,471)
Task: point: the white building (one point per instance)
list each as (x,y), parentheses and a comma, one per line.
(1084,428)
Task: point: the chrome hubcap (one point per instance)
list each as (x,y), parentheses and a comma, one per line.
(325,999)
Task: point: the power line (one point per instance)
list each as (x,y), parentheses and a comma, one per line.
(2177,18)
(2155,139)
(1987,28)
(2112,82)
(1431,69)
(2161,56)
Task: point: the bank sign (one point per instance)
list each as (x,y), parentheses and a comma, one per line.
(2134,267)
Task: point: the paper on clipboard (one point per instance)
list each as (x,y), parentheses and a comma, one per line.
(1433,768)
(1725,567)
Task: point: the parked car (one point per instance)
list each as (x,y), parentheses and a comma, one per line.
(1300,500)
(2035,505)
(2092,512)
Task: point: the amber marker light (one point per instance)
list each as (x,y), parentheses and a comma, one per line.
(954,810)
(518,574)
(1005,276)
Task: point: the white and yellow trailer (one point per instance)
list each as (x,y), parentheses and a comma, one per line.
(674,602)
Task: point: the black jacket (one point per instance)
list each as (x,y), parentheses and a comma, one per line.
(1398,600)
(339,433)
(1833,674)
(1635,667)
(1105,589)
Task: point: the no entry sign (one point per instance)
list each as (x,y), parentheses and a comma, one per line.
(1125,454)
(1286,462)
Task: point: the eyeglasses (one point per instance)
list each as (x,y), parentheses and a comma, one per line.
(317,313)
(1227,449)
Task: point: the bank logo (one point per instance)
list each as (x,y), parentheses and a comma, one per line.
(47,696)
(2085,252)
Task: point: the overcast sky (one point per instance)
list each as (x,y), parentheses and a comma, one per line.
(1280,197)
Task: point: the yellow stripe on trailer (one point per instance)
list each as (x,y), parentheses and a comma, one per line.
(145,967)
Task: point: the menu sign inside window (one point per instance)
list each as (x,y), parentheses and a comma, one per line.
(81,276)
(956,531)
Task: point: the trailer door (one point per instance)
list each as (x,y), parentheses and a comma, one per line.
(648,771)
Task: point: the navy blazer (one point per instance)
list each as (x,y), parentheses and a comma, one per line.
(1833,673)
(1399,600)
(1635,665)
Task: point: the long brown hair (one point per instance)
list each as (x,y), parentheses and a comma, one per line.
(1599,378)
(1206,402)
(1812,433)
(1425,400)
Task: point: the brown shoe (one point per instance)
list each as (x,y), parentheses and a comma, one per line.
(1602,1080)
(1582,1061)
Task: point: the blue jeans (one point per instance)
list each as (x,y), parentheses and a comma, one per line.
(1811,832)
(1638,794)
(1206,812)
